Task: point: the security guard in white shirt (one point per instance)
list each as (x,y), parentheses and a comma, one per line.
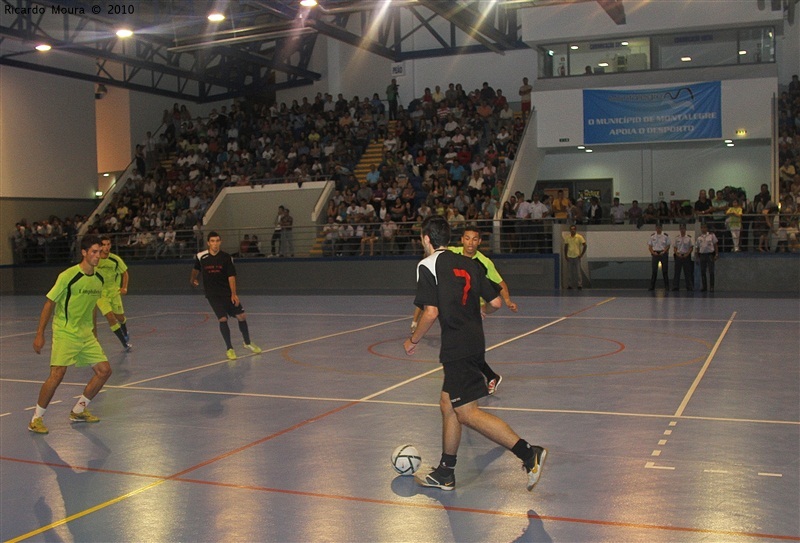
(707,253)
(658,244)
(682,247)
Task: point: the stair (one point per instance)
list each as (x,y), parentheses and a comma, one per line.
(316,249)
(372,155)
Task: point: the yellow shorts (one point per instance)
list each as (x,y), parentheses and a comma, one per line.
(69,350)
(110,304)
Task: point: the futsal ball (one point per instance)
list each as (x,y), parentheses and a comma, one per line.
(406,459)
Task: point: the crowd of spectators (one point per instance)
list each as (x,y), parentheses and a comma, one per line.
(448,152)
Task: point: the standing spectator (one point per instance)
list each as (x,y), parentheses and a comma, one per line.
(617,212)
(70,303)
(539,212)
(392,94)
(734,220)
(560,206)
(574,249)
(595,213)
(275,242)
(658,245)
(219,282)
(287,238)
(440,280)
(707,254)
(682,248)
(525,98)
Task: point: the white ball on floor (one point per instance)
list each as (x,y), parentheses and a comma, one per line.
(406,459)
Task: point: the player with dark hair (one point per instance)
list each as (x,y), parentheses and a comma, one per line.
(115,273)
(219,282)
(449,288)
(70,303)
(470,242)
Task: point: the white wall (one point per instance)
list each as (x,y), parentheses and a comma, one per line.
(588,19)
(671,171)
(746,103)
(48,143)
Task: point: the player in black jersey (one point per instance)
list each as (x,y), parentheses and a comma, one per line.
(219,281)
(449,288)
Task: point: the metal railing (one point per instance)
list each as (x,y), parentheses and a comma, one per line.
(503,236)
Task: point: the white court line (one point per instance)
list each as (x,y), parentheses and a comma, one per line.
(4,414)
(266,351)
(715,471)
(702,372)
(765,474)
(652,465)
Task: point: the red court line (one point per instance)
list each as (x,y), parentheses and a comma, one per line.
(399,503)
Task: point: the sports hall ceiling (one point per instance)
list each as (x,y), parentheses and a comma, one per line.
(261,46)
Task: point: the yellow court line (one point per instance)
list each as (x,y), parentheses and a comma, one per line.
(85,512)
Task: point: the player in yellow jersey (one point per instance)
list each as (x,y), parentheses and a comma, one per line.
(70,304)
(115,273)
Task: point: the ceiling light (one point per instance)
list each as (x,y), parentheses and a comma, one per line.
(623,43)
(98,194)
(589,151)
(216,17)
(742,52)
(124,33)
(573,47)
(686,59)
(728,141)
(729,144)
(603,64)
(308,3)
(43,47)
(581,147)
(106,174)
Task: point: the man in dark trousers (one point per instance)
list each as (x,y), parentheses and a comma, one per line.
(449,288)
(219,282)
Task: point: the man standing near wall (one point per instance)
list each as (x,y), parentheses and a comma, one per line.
(658,245)
(682,252)
(574,249)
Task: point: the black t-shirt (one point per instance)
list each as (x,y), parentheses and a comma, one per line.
(455,284)
(215,269)
(700,205)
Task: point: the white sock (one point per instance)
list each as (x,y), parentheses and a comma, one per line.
(83,403)
(38,412)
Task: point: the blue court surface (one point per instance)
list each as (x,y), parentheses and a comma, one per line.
(666,419)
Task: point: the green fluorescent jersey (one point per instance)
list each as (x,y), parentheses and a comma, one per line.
(111,269)
(491,272)
(75,294)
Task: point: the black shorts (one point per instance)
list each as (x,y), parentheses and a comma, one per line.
(464,381)
(223,306)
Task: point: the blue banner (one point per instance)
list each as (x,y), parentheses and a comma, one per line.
(690,112)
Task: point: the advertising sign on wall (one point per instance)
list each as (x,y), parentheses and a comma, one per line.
(688,112)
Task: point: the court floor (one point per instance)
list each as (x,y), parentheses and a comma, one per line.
(666,419)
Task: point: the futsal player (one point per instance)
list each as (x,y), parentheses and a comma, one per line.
(70,304)
(449,288)
(219,282)
(115,273)
(470,242)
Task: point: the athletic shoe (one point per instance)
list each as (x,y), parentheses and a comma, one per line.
(85,416)
(37,426)
(253,347)
(128,347)
(231,354)
(437,479)
(534,465)
(494,383)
